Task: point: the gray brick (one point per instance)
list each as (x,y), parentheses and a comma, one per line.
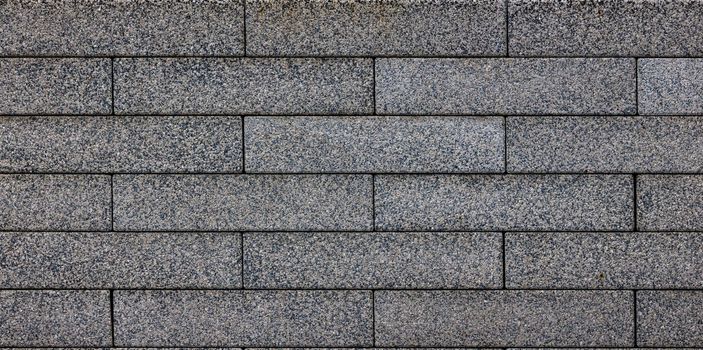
(120,260)
(373,260)
(497,318)
(604,260)
(670,86)
(505,86)
(251,318)
(606,28)
(121,144)
(669,202)
(243,202)
(54,318)
(55,202)
(114,27)
(243,86)
(357,27)
(54,86)
(374,144)
(605,144)
(670,318)
(504,202)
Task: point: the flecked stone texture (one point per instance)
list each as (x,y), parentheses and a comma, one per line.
(114,27)
(496,318)
(605,144)
(504,202)
(670,86)
(243,86)
(632,260)
(505,86)
(669,202)
(55,202)
(54,86)
(54,318)
(358,27)
(251,318)
(605,28)
(120,260)
(373,260)
(121,144)
(670,318)
(374,144)
(243,202)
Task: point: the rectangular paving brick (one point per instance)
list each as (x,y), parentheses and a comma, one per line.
(121,144)
(377,28)
(120,260)
(114,28)
(497,318)
(55,202)
(504,202)
(629,260)
(55,86)
(505,86)
(605,28)
(374,144)
(605,144)
(54,318)
(670,318)
(670,85)
(373,260)
(669,202)
(243,86)
(243,318)
(243,202)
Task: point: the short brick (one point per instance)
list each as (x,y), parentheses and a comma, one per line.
(670,318)
(670,85)
(669,202)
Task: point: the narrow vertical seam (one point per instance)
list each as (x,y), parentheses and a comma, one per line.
(505,144)
(244,25)
(634,202)
(373,317)
(373,202)
(504,265)
(112,202)
(637,87)
(112,85)
(244,164)
(241,246)
(507,28)
(373,69)
(112,317)
(634,310)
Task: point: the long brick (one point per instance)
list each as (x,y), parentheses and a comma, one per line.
(54,318)
(243,86)
(670,318)
(357,27)
(603,260)
(54,86)
(669,202)
(373,260)
(605,144)
(55,202)
(670,85)
(505,86)
(374,144)
(242,202)
(504,202)
(120,260)
(499,318)
(243,318)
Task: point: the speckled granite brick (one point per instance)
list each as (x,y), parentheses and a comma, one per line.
(121,144)
(497,318)
(358,27)
(605,144)
(670,85)
(504,202)
(373,260)
(632,260)
(243,202)
(243,86)
(669,202)
(120,260)
(119,28)
(606,28)
(54,85)
(374,144)
(670,318)
(505,86)
(54,318)
(55,202)
(251,318)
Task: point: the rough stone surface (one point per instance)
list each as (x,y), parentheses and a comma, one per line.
(373,260)
(669,202)
(670,318)
(237,318)
(670,86)
(374,144)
